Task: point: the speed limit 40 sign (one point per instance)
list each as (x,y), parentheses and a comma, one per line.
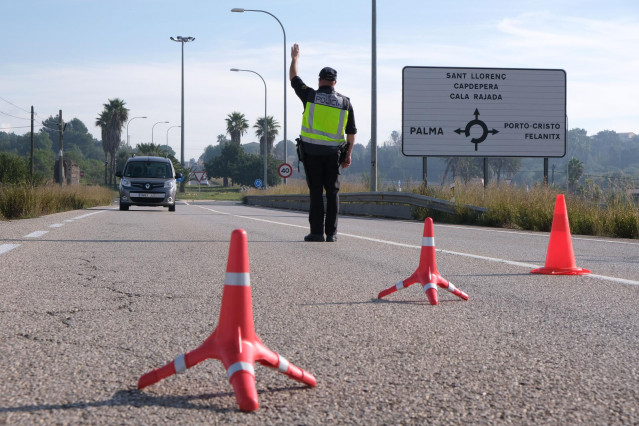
(285,170)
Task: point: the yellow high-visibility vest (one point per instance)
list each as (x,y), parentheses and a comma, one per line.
(324,120)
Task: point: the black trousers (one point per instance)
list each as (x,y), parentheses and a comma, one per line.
(322,173)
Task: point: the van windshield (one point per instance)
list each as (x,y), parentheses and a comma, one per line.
(148,169)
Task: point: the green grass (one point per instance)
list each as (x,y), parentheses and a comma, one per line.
(232,193)
(24,201)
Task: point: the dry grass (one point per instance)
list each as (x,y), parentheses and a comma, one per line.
(514,207)
(23,200)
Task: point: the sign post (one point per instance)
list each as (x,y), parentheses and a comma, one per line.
(483,112)
(199,176)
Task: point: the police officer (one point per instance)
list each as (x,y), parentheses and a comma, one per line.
(328,130)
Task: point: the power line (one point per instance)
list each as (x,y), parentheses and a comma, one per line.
(22,109)
(15,127)
(14,116)
(11,103)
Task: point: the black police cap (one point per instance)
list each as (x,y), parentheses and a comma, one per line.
(328,74)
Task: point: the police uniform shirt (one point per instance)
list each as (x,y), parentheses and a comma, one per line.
(307,94)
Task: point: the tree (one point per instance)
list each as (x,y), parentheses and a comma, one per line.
(236,126)
(464,167)
(507,166)
(278,150)
(151,149)
(221,139)
(575,171)
(395,139)
(272,132)
(226,164)
(211,152)
(13,168)
(111,122)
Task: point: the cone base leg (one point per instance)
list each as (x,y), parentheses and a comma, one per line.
(433,297)
(560,271)
(386,292)
(243,384)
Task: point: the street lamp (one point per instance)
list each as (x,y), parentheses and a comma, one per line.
(167,134)
(152,127)
(265,122)
(373,177)
(127,130)
(240,10)
(182,40)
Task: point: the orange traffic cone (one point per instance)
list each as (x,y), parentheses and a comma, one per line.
(426,273)
(234,341)
(560,258)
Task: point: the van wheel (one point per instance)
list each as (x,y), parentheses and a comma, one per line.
(124,207)
(172,208)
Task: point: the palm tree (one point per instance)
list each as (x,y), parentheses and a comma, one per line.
(111,121)
(272,132)
(236,126)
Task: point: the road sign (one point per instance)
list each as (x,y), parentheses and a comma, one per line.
(258,183)
(285,170)
(199,176)
(483,112)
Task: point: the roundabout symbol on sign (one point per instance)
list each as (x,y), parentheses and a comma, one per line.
(285,170)
(258,183)
(479,123)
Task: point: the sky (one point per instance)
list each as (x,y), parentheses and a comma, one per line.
(75,55)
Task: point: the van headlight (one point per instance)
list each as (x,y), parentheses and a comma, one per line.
(169,183)
(125,182)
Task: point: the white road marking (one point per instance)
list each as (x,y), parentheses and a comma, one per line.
(6,247)
(35,234)
(56,225)
(89,214)
(392,243)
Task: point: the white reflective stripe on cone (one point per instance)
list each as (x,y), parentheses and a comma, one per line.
(399,285)
(238,366)
(283,365)
(238,278)
(429,286)
(180,364)
(451,287)
(428,242)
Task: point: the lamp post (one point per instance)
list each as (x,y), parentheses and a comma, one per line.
(167,134)
(374,99)
(265,123)
(127,130)
(152,127)
(240,10)
(182,40)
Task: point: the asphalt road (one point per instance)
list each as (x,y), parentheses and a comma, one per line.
(104,296)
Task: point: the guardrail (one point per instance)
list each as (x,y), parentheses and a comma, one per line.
(398,205)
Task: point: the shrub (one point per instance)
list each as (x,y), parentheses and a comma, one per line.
(13,168)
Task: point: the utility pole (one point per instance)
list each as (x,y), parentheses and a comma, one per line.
(31,156)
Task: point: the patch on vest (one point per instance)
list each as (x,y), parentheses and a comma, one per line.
(329,100)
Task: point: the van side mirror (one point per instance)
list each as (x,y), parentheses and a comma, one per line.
(118,174)
(178,175)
